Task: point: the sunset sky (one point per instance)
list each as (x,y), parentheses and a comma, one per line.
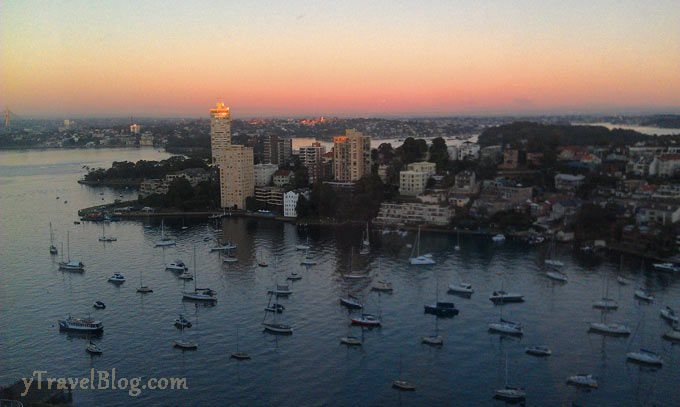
(345,58)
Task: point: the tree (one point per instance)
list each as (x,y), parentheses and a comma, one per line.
(412,150)
(302,207)
(301,177)
(439,154)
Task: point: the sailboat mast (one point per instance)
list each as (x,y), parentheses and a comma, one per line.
(51,237)
(68,245)
(506,368)
(195,270)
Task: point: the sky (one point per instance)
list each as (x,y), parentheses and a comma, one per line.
(339,58)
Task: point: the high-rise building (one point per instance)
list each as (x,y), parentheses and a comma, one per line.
(351,156)
(220,130)
(312,157)
(236,176)
(135,128)
(277,150)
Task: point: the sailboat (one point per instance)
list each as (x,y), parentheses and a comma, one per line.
(142,288)
(401,384)
(199,294)
(185,344)
(369,320)
(644,356)
(611,328)
(457,247)
(308,260)
(164,240)
(416,258)
(504,326)
(382,285)
(606,302)
(70,265)
(276,307)
(294,276)
(229,258)
(104,238)
(501,296)
(643,294)
(434,339)
(365,242)
(509,393)
(350,275)
(303,246)
(550,261)
(583,380)
(93,349)
(351,301)
(238,354)
(53,248)
(669,315)
(261,262)
(274,326)
(440,309)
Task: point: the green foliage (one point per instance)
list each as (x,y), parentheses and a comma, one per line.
(512,219)
(301,177)
(144,169)
(439,154)
(594,222)
(302,207)
(361,204)
(412,150)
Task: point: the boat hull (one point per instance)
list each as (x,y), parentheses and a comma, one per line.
(644,359)
(279,329)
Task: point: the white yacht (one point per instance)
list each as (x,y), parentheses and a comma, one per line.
(557,276)
(199,294)
(666,267)
(104,238)
(281,290)
(80,324)
(461,288)
(646,357)
(554,263)
(643,295)
(416,258)
(673,334)
(611,328)
(582,379)
(606,303)
(669,315)
(178,265)
(501,296)
(69,265)
(509,393)
(303,246)
(164,240)
(117,278)
(308,260)
(186,276)
(506,327)
(350,341)
(499,238)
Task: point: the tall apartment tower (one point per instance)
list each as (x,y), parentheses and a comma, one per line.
(312,158)
(220,131)
(236,176)
(351,156)
(277,150)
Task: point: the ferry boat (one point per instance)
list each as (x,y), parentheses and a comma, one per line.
(88,324)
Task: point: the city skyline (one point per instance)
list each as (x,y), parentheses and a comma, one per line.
(345,59)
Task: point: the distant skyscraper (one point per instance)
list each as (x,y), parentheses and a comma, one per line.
(236,176)
(220,130)
(312,158)
(135,128)
(277,150)
(351,156)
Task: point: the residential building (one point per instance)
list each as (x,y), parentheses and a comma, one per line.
(236,176)
(220,131)
(351,156)
(152,186)
(657,212)
(510,159)
(412,183)
(667,191)
(312,157)
(426,167)
(487,206)
(277,150)
(146,140)
(270,195)
(466,180)
(413,213)
(282,177)
(491,153)
(194,175)
(290,200)
(509,190)
(459,200)
(566,208)
(453,152)
(135,128)
(262,174)
(568,182)
(382,172)
(669,164)
(468,151)
(643,166)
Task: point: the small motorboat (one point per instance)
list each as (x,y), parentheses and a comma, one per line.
(503,297)
(403,385)
(606,303)
(610,328)
(511,394)
(302,247)
(294,276)
(424,260)
(498,238)
(107,239)
(645,357)
(506,327)
(281,290)
(382,286)
(185,344)
(669,315)
(278,328)
(75,222)
(182,322)
(117,278)
(434,340)
(178,265)
(643,295)
(673,334)
(442,309)
(144,289)
(584,380)
(350,341)
(622,280)
(461,288)
(275,308)
(354,276)
(666,267)
(366,320)
(351,302)
(538,351)
(99,305)
(186,276)
(557,276)
(93,349)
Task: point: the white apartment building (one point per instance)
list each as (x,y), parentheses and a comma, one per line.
(290,200)
(669,165)
(469,151)
(428,168)
(263,173)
